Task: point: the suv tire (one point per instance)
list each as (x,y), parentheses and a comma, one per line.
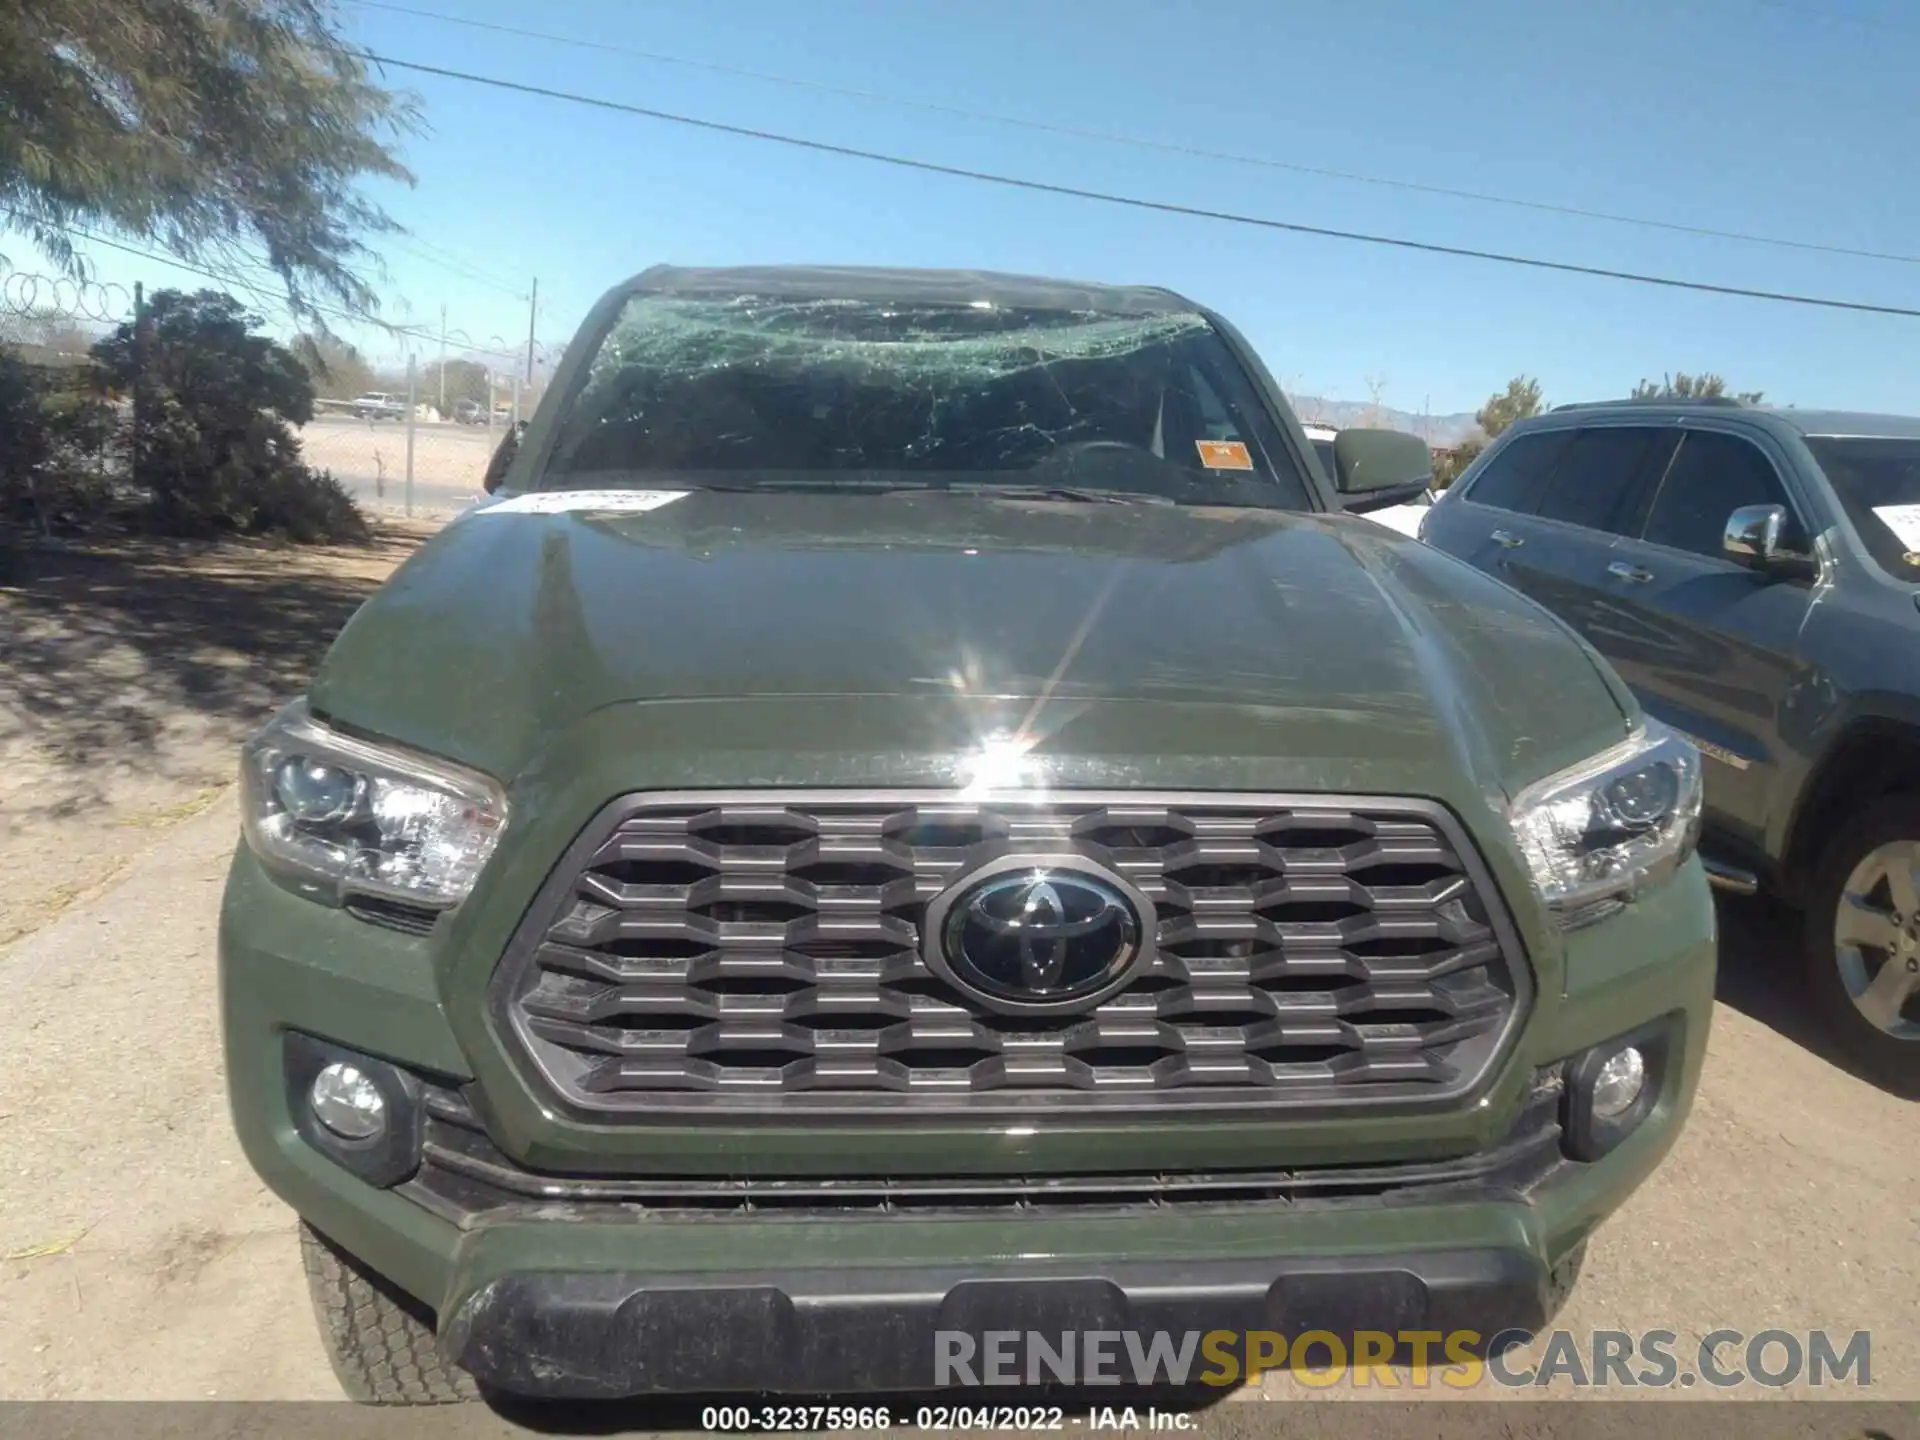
(1887,1059)
(381,1343)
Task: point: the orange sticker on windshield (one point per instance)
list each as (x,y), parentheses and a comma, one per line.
(1224,455)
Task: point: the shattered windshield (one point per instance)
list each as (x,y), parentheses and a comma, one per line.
(762,393)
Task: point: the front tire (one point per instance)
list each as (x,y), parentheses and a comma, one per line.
(1862,943)
(380,1342)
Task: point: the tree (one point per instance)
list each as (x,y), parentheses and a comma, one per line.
(1519,401)
(466,380)
(1690,387)
(219,129)
(217,448)
(54,424)
(336,369)
(1448,464)
(1376,387)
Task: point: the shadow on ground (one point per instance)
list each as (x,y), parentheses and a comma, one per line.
(1761,976)
(108,650)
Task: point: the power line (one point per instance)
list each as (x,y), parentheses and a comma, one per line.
(1110,137)
(1165,207)
(444,259)
(1810,13)
(412,332)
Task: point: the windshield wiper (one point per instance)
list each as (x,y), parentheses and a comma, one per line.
(805,487)
(1067,492)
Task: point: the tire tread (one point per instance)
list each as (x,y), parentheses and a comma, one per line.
(381,1344)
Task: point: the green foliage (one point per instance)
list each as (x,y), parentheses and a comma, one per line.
(55,462)
(1519,401)
(1690,387)
(216,449)
(337,370)
(1448,464)
(211,127)
(309,507)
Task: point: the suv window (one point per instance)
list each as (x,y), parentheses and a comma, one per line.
(1711,477)
(1514,476)
(1877,483)
(1604,478)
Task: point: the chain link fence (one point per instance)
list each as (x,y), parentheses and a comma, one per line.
(419,438)
(397,451)
(412,434)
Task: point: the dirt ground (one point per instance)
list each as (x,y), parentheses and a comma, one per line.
(129,673)
(140,1259)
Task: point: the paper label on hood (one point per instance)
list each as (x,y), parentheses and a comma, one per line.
(1903,520)
(558,502)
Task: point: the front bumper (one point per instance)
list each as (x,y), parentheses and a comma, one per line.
(623,1301)
(598,1335)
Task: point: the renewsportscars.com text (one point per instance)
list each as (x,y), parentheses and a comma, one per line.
(1457,1359)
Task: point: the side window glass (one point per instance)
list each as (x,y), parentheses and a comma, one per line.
(1603,479)
(1513,478)
(1711,477)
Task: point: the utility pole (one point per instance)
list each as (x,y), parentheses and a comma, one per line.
(443,360)
(411,406)
(139,466)
(533,305)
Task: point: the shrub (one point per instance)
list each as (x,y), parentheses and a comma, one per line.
(309,507)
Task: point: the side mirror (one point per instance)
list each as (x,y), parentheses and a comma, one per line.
(1373,469)
(503,454)
(1761,538)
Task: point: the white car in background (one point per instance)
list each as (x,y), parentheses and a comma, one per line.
(1405,518)
(379,405)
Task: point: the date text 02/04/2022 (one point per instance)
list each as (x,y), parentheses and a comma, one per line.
(775,1418)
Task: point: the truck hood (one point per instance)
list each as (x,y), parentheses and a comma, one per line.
(515,623)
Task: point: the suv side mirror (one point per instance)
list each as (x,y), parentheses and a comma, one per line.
(503,454)
(1761,538)
(1373,469)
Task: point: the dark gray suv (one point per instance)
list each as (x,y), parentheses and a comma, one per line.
(1754,576)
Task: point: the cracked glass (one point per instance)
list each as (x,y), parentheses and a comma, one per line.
(749,392)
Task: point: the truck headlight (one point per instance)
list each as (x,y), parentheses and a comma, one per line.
(1593,835)
(344,816)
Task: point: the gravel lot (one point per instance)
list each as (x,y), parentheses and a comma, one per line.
(143,1261)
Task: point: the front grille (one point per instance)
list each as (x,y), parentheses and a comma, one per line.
(751,952)
(464,1178)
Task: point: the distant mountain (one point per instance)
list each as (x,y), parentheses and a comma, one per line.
(1344,414)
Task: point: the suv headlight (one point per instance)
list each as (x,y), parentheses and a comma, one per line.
(1595,834)
(347,817)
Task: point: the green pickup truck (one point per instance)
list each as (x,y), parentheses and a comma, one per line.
(912,812)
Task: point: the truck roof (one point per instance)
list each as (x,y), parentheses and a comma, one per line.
(934,287)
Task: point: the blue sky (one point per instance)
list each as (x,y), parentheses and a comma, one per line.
(1797,121)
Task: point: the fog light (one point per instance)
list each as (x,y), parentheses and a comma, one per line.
(1612,1088)
(347,1102)
(1619,1083)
